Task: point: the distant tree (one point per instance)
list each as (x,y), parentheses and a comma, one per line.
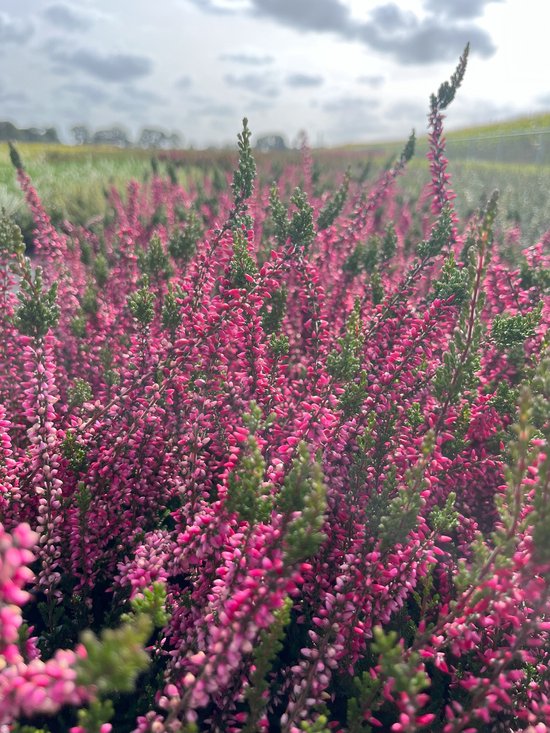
(81,134)
(115,136)
(8,131)
(174,140)
(270,142)
(49,135)
(152,138)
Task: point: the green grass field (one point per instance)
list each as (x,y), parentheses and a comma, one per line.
(73,180)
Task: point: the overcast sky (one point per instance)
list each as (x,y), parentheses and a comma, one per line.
(343,70)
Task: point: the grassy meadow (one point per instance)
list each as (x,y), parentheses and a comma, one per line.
(512,156)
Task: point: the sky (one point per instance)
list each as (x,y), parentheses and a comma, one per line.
(342,70)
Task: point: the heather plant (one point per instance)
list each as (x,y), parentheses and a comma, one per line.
(275,459)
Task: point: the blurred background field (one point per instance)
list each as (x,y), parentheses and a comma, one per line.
(513,156)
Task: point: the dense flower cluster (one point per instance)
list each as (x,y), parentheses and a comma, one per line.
(310,439)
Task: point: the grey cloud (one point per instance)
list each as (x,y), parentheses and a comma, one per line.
(408,111)
(248,58)
(389,30)
(255,83)
(117,67)
(374,80)
(86,92)
(207,107)
(304,80)
(65,16)
(184,82)
(410,40)
(350,103)
(14,30)
(458,9)
(209,6)
(13,98)
(137,96)
(307,15)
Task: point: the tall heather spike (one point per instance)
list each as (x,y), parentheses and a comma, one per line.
(15,157)
(442,192)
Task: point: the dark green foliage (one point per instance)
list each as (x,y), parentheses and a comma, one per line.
(274,310)
(389,243)
(400,517)
(142,303)
(408,150)
(171,316)
(415,417)
(153,260)
(11,238)
(505,400)
(243,179)
(343,364)
(535,277)
(151,603)
(303,491)
(279,216)
(439,236)
(15,157)
(38,312)
(509,331)
(279,345)
(445,519)
(88,302)
(248,495)
(265,653)
(242,265)
(79,393)
(75,453)
(183,242)
(454,282)
(448,89)
(100,269)
(354,394)
(301,229)
(377,288)
(115,659)
(334,206)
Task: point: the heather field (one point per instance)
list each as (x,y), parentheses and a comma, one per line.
(274,440)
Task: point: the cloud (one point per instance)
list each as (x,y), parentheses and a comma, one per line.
(307,15)
(413,112)
(458,9)
(350,103)
(13,98)
(64,16)
(86,92)
(248,58)
(304,80)
(260,84)
(351,118)
(184,82)
(14,30)
(440,36)
(206,107)
(218,7)
(116,67)
(137,96)
(544,99)
(410,40)
(374,80)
